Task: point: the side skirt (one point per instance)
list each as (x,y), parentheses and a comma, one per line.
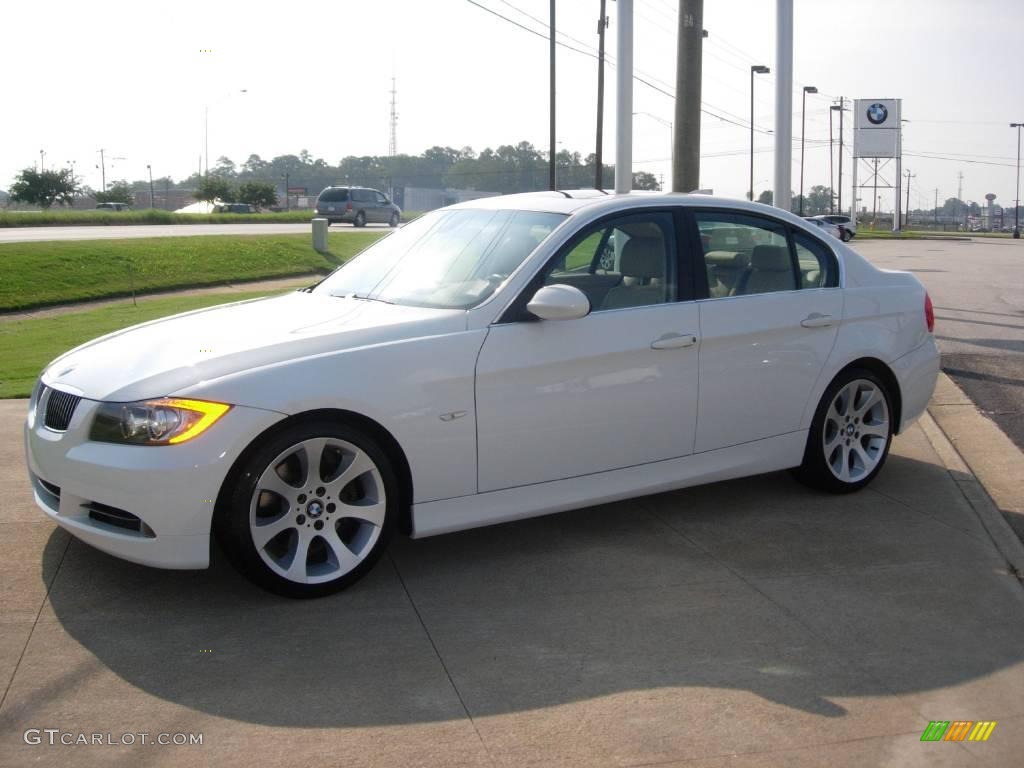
(448,515)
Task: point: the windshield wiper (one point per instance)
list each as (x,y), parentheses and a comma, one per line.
(361,298)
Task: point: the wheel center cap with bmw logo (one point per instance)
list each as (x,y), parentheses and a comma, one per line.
(877,113)
(315,508)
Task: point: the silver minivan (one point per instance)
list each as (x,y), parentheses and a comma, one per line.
(358,206)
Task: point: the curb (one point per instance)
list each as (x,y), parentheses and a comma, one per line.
(985,464)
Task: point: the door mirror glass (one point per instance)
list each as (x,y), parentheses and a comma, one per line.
(559,302)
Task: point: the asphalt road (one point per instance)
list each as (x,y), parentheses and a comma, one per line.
(36,234)
(977,288)
(745,624)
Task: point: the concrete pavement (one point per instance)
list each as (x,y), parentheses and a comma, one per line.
(37,234)
(747,623)
(977,287)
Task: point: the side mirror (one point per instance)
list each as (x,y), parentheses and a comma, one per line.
(559,302)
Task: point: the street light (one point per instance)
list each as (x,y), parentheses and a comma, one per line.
(663,121)
(1016,203)
(206,129)
(803,128)
(755,69)
(42,160)
(152,204)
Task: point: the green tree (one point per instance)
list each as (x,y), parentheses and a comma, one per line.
(44,188)
(765,197)
(258,193)
(645,180)
(818,201)
(212,188)
(225,167)
(117,192)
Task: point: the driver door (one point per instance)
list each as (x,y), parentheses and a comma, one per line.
(617,388)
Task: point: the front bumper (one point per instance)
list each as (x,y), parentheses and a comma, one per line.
(917,373)
(94,490)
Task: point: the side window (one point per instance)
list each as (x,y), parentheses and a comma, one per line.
(626,262)
(381,200)
(744,255)
(818,268)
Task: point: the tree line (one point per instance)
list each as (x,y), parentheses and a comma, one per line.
(508,168)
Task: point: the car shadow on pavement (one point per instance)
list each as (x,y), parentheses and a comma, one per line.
(758,585)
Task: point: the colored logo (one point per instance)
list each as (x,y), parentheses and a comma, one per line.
(958,730)
(877,113)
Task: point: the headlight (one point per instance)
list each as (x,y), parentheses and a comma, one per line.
(155,422)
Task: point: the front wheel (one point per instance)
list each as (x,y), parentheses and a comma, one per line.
(394,221)
(312,510)
(360,220)
(850,435)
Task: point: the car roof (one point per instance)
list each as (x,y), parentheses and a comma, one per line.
(597,202)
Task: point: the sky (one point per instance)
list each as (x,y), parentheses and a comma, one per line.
(136,79)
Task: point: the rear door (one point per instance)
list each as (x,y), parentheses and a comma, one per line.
(767,328)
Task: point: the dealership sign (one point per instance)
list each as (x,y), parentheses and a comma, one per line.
(876,128)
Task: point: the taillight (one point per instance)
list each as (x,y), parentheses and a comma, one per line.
(348,206)
(929,313)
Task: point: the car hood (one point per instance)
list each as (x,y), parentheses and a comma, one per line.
(164,356)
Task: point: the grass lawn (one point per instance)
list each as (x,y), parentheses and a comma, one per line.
(39,274)
(27,345)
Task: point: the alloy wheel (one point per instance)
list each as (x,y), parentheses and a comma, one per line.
(856,430)
(317,510)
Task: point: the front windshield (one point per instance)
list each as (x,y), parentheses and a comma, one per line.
(448,259)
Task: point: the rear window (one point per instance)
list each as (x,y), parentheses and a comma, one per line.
(334,196)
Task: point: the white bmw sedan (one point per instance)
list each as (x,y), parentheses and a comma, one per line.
(488,362)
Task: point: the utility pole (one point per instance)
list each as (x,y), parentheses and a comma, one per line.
(1016,202)
(624,99)
(103,169)
(551,106)
(959,199)
(393,140)
(287,202)
(686,132)
(831,173)
(42,160)
(602,25)
(755,69)
(783,105)
(152,198)
(803,129)
(907,214)
(841,103)
(936,207)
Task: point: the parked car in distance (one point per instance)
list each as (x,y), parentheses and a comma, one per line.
(113,207)
(845,224)
(357,206)
(495,360)
(234,208)
(825,226)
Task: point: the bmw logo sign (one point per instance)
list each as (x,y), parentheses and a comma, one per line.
(877,113)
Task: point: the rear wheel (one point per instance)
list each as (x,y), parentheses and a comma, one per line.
(360,220)
(850,435)
(394,220)
(845,236)
(312,510)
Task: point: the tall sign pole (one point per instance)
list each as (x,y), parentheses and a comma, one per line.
(686,136)
(551,105)
(602,25)
(624,101)
(781,197)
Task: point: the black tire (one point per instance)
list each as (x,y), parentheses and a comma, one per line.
(846,236)
(394,220)
(817,471)
(360,219)
(232,522)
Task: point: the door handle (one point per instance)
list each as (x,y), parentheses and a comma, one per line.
(674,341)
(817,320)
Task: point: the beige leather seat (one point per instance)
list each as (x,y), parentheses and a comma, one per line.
(771,269)
(643,260)
(725,268)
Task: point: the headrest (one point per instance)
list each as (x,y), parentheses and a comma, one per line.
(771,258)
(730,239)
(643,257)
(725,260)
